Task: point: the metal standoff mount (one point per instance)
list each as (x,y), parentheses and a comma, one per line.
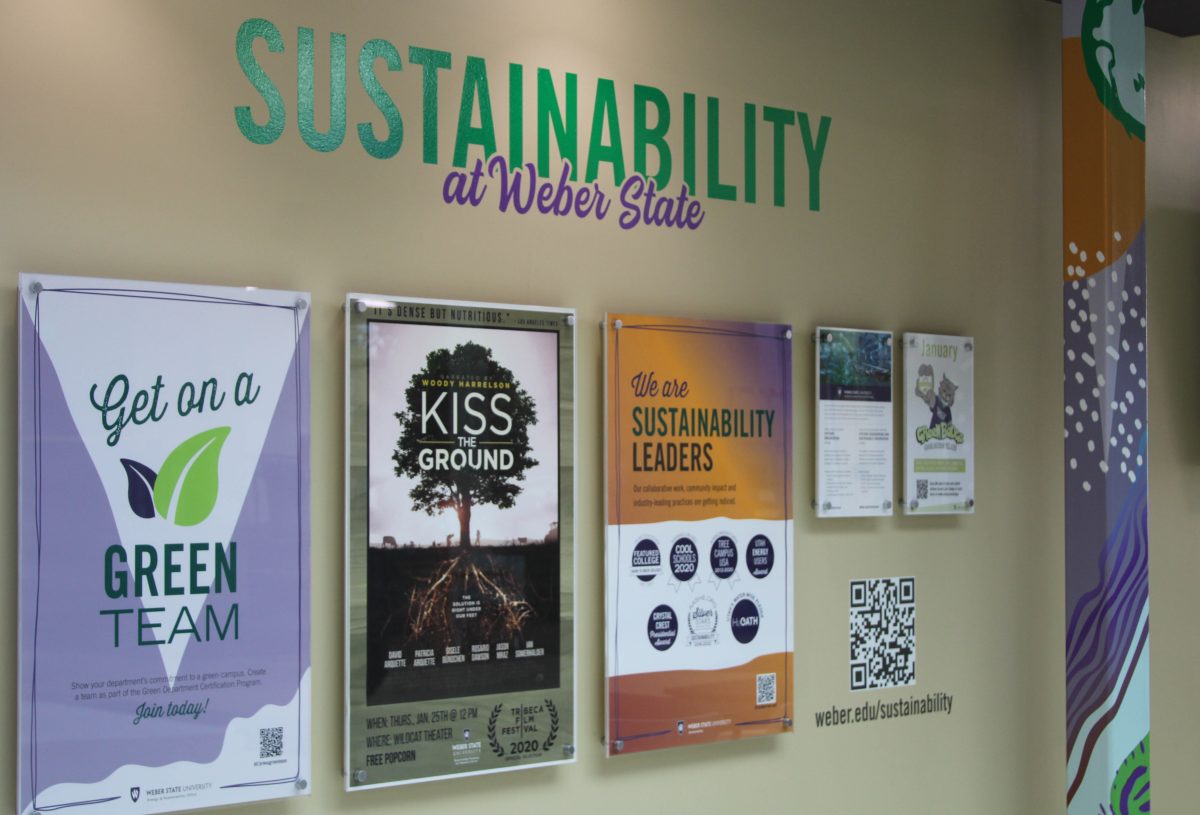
(970,503)
(617,324)
(570,319)
(360,776)
(36,288)
(787,721)
(619,745)
(912,504)
(301,784)
(788,334)
(887,505)
(968,346)
(568,750)
(301,304)
(360,306)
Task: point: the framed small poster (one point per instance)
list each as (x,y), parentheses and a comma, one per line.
(163,545)
(459,539)
(699,596)
(939,425)
(854,423)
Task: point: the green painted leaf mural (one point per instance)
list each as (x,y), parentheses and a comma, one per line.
(185,491)
(1130,794)
(1114,51)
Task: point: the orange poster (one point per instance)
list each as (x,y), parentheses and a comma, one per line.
(699,589)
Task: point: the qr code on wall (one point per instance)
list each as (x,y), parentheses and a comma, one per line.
(922,489)
(883,633)
(764,689)
(270,742)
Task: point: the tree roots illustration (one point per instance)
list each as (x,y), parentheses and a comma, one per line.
(468,599)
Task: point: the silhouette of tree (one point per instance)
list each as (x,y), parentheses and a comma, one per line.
(435,424)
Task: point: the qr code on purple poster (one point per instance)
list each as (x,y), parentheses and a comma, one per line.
(270,742)
(883,633)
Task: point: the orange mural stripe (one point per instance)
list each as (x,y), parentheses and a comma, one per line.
(1104,188)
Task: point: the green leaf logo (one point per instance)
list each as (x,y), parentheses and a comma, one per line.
(185,491)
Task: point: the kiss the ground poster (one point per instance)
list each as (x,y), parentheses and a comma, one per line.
(939,425)
(459,545)
(698,579)
(164,545)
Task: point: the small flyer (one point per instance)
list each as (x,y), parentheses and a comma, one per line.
(854,423)
(939,425)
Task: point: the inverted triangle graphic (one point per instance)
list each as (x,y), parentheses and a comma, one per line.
(182,349)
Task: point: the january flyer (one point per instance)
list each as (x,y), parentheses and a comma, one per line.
(698,575)
(164,545)
(939,425)
(459,545)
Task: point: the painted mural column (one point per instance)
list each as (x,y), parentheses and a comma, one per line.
(1105,411)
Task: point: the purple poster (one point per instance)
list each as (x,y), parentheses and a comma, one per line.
(164,545)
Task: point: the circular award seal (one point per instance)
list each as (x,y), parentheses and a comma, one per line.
(662,627)
(702,621)
(647,560)
(684,559)
(744,618)
(723,556)
(760,556)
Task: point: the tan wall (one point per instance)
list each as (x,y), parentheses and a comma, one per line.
(119,157)
(1173,187)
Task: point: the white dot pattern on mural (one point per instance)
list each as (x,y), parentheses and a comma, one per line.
(1105,387)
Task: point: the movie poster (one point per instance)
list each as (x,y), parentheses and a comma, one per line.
(699,555)
(854,423)
(939,425)
(460,595)
(163,545)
